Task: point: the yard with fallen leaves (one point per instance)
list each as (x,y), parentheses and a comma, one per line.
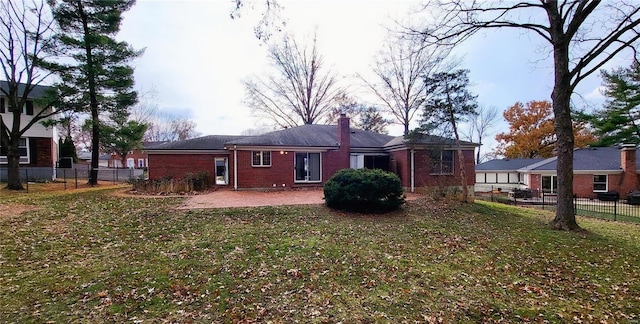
(93,256)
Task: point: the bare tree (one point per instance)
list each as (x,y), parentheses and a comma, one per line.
(270,20)
(401,68)
(480,124)
(25,30)
(301,89)
(583,35)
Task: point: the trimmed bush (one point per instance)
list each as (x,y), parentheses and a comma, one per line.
(364,190)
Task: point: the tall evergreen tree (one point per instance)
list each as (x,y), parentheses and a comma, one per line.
(449,103)
(98,79)
(619,120)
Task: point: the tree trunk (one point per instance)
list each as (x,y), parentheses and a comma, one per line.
(561,97)
(93,101)
(478,154)
(13,167)
(463,172)
(95,144)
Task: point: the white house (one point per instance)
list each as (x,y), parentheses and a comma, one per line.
(39,144)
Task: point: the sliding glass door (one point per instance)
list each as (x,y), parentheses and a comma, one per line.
(308,167)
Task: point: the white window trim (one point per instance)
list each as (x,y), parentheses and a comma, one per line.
(453,165)
(606,183)
(554,190)
(307,181)
(261,165)
(226,174)
(23,159)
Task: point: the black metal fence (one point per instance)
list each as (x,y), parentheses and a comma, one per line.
(627,210)
(73,176)
(520,197)
(603,207)
(104,174)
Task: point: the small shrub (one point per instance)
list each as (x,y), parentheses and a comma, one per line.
(364,190)
(191,182)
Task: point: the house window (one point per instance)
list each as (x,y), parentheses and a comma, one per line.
(441,162)
(600,183)
(260,158)
(28,108)
(360,161)
(23,149)
(549,184)
(140,163)
(307,167)
(221,171)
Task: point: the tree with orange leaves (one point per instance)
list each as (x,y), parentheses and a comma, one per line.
(531,131)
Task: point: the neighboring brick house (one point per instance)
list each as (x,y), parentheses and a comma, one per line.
(595,170)
(308,155)
(135,159)
(38,145)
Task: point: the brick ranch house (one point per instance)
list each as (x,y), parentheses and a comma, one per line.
(308,155)
(595,170)
(38,145)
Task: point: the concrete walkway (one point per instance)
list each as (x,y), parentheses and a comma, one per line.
(230,198)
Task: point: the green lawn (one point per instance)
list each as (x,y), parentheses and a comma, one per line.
(89,256)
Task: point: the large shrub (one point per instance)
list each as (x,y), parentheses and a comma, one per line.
(364,190)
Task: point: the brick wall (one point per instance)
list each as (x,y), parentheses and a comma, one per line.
(178,165)
(423,176)
(280,173)
(402,168)
(629,180)
(41,152)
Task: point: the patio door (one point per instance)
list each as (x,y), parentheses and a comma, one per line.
(222,172)
(549,184)
(307,167)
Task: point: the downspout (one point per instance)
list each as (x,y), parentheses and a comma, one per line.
(235,167)
(413,170)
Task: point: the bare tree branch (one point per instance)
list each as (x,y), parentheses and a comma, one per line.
(401,68)
(583,35)
(301,90)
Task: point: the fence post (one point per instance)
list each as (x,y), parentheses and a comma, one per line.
(575,204)
(76,171)
(64,178)
(615,209)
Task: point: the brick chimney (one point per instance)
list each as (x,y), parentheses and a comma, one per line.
(628,164)
(344,131)
(344,140)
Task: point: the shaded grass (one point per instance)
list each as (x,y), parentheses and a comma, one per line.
(93,257)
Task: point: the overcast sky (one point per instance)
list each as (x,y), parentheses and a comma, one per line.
(196,56)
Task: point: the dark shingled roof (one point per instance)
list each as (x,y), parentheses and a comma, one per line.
(301,136)
(506,164)
(426,139)
(36,92)
(591,159)
(211,142)
(314,136)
